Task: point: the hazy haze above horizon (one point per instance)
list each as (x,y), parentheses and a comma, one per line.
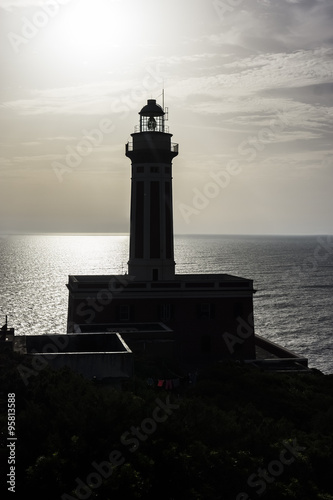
(249,86)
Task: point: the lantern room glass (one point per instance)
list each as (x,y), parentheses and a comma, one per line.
(152,124)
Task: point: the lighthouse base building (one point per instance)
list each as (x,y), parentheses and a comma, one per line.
(152,312)
(195,319)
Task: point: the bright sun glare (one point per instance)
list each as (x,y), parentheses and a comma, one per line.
(97,26)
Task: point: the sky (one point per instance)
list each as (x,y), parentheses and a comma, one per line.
(248,84)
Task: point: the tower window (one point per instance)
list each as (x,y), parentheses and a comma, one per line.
(140,170)
(155,221)
(167,170)
(155,274)
(206,345)
(154,170)
(166,312)
(238,309)
(138,215)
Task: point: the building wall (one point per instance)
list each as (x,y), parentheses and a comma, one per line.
(206,327)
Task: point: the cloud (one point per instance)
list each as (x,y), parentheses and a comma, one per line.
(277,25)
(250,75)
(10,4)
(79,99)
(261,90)
(18,3)
(35,158)
(59,138)
(5,162)
(268,64)
(118,94)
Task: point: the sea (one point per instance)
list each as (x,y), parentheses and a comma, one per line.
(293,279)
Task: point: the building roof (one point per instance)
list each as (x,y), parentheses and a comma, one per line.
(100,342)
(151,109)
(126,279)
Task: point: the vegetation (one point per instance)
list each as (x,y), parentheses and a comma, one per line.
(237,433)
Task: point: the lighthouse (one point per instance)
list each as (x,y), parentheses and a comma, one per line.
(151,253)
(195,319)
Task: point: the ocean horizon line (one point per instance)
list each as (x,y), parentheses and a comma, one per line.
(80,233)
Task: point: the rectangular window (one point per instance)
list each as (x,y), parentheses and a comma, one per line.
(238,309)
(206,310)
(140,170)
(124,312)
(154,170)
(138,216)
(166,312)
(206,345)
(155,220)
(155,274)
(168,221)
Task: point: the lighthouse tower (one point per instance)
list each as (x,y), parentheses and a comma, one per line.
(151,255)
(195,319)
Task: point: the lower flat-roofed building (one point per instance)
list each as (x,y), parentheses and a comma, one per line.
(99,356)
(206,317)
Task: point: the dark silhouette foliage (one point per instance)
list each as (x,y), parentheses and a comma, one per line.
(228,436)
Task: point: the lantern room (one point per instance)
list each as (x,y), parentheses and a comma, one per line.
(152,117)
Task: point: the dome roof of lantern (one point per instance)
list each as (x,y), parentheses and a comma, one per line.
(152,109)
